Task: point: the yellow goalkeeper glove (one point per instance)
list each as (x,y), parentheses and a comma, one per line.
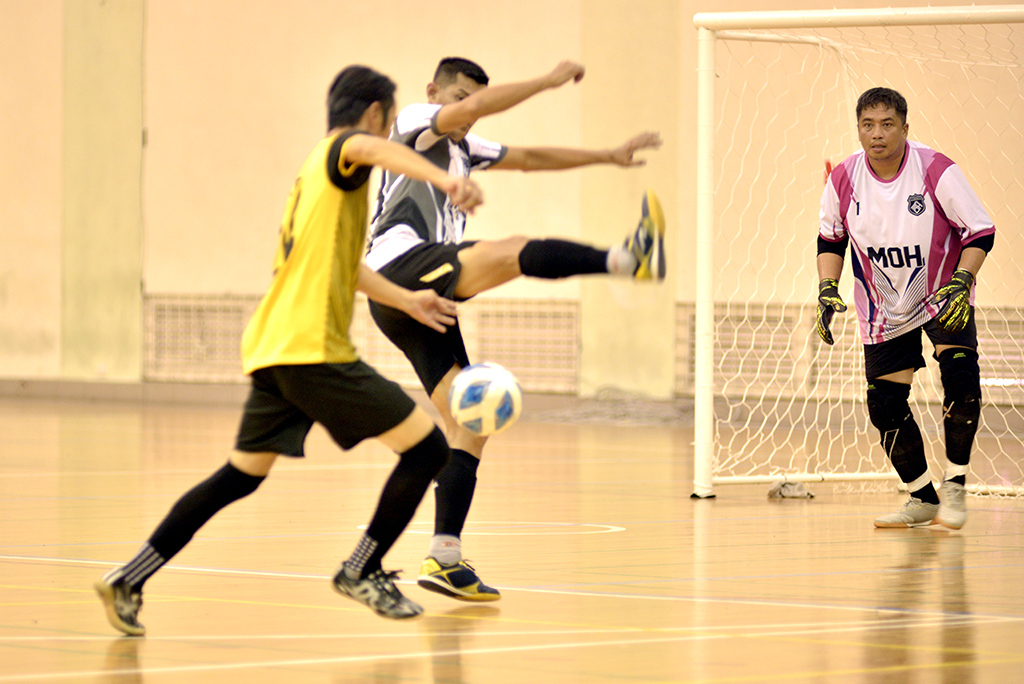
(956,312)
(829,302)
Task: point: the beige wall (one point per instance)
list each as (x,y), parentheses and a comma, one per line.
(235,101)
(31,132)
(101,286)
(231,97)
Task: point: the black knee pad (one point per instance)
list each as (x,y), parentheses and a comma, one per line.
(888,405)
(961,405)
(429,455)
(961,377)
(889,411)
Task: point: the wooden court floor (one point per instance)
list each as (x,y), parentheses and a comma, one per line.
(609,572)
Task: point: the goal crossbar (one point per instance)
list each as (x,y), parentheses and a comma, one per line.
(905,16)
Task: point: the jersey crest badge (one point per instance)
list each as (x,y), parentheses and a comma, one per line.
(915,204)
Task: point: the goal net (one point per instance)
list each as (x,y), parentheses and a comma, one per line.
(776,101)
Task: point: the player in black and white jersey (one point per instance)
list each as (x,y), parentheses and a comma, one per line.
(918,234)
(417,241)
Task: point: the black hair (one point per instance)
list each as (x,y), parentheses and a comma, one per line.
(354,89)
(449,68)
(886,97)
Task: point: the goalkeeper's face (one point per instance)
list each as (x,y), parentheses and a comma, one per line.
(882,133)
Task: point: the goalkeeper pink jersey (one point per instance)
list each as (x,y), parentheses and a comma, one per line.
(905,235)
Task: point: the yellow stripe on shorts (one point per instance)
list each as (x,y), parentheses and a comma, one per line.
(437,273)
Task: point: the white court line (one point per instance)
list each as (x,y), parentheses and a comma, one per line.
(223,667)
(950,621)
(557,592)
(359,465)
(565,528)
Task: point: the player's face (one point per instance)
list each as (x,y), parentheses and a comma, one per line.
(381,123)
(450,93)
(389,119)
(882,133)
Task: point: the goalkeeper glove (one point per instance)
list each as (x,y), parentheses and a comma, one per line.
(956,312)
(829,302)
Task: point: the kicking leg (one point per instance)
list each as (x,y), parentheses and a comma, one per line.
(121,588)
(489,263)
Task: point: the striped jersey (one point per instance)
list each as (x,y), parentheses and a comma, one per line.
(305,315)
(905,234)
(410,211)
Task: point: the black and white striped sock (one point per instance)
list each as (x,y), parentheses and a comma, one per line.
(139,569)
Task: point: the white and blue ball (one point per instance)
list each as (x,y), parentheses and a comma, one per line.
(485,398)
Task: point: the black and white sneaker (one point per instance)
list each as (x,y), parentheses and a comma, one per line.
(122,605)
(378,591)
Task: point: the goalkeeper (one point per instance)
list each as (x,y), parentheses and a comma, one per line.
(918,235)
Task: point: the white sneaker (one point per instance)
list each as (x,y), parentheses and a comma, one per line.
(915,513)
(953,507)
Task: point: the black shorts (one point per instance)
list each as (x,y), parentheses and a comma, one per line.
(351,400)
(905,351)
(432,354)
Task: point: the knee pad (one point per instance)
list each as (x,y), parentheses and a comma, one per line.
(961,405)
(889,411)
(961,381)
(428,456)
(888,407)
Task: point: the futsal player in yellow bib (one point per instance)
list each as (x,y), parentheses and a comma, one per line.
(302,363)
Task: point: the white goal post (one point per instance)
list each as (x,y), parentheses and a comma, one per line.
(776,93)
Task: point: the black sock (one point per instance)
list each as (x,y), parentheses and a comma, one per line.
(926,494)
(402,494)
(454,493)
(188,514)
(554,258)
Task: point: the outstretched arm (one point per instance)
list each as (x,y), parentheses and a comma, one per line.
(557,158)
(498,98)
(369,150)
(426,306)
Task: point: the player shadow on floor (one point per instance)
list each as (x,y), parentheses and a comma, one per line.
(923,593)
(446,634)
(121,662)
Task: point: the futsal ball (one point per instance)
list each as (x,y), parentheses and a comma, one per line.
(485,398)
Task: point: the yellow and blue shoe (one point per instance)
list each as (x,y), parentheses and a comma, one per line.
(458,581)
(647,242)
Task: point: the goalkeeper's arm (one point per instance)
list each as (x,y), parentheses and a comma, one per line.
(830,268)
(971,259)
(955,295)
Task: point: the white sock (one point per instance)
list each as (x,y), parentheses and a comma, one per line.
(621,261)
(446,549)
